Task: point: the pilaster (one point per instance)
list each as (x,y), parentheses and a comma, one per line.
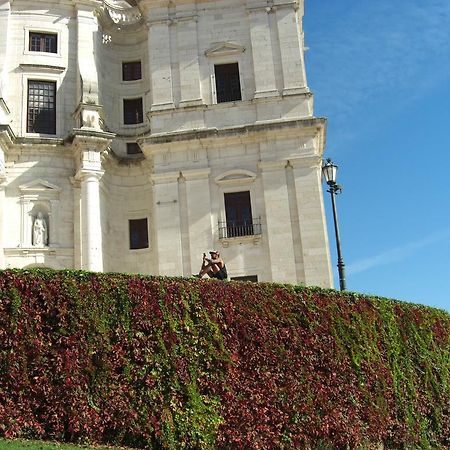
(188,56)
(291,47)
(25,228)
(278,221)
(199,214)
(160,60)
(263,58)
(5,14)
(167,223)
(311,218)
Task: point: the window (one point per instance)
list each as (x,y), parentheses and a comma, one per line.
(132,111)
(228,85)
(133,148)
(41,107)
(43,42)
(138,234)
(238,211)
(131,71)
(252,278)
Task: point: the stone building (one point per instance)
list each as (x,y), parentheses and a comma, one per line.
(134,136)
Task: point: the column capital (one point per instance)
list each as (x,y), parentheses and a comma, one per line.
(270,166)
(165,177)
(306,162)
(84,175)
(196,174)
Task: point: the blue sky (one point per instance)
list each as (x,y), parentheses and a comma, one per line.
(380,73)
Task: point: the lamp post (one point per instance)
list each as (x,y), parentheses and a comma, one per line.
(329,171)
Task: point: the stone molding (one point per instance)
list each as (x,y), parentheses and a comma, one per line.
(196,174)
(316,124)
(41,68)
(224,49)
(235,177)
(165,177)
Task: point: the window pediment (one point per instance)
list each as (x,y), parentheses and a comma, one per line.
(235,177)
(40,187)
(224,48)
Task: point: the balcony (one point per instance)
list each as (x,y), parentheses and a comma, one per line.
(240,228)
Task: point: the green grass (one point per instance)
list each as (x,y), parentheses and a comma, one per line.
(40,445)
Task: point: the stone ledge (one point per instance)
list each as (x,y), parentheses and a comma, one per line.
(164,138)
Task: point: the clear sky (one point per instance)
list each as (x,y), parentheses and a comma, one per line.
(380,73)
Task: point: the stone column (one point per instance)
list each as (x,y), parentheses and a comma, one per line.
(199,214)
(77,223)
(167,223)
(313,227)
(2,221)
(88,147)
(278,222)
(160,63)
(91,228)
(263,60)
(291,48)
(189,61)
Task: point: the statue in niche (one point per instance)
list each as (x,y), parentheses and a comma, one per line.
(40,231)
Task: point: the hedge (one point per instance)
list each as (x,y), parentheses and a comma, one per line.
(176,363)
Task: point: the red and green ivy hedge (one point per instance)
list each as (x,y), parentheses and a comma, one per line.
(167,363)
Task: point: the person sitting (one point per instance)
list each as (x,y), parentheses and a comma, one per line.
(214,266)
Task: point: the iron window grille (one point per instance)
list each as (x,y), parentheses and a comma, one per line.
(41,107)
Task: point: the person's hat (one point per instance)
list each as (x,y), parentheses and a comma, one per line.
(214,251)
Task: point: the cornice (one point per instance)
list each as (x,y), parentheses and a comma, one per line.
(7,136)
(314,124)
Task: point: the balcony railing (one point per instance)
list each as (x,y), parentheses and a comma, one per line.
(238,228)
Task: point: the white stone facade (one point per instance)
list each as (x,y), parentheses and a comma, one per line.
(196,148)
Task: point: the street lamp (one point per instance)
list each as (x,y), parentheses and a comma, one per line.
(329,171)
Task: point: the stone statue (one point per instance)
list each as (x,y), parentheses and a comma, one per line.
(40,231)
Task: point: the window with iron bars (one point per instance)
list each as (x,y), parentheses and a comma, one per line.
(41,111)
(239,221)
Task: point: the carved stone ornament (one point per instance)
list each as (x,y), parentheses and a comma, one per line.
(40,231)
(123,12)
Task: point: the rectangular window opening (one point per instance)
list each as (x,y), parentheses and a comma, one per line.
(138,233)
(228,85)
(133,148)
(133,112)
(131,71)
(43,42)
(239,220)
(41,110)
